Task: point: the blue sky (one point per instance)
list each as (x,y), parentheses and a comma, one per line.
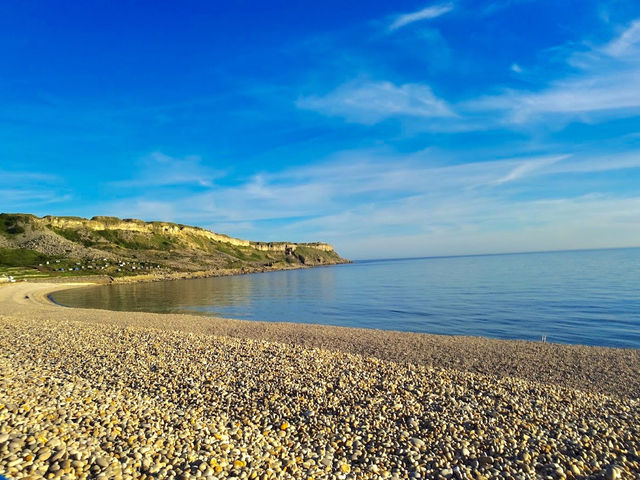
(385,128)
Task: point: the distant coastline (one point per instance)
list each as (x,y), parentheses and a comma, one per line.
(527,252)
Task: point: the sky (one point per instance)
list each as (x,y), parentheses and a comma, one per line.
(388,129)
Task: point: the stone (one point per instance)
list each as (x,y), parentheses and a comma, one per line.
(612,472)
(418,443)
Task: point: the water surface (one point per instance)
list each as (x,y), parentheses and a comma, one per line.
(580,297)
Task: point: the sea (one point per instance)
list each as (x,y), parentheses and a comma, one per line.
(589,297)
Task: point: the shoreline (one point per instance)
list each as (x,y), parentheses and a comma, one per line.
(300,324)
(104,279)
(582,367)
(97,394)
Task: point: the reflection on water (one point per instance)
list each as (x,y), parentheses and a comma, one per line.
(209,295)
(573,297)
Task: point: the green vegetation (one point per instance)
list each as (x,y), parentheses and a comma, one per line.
(11,224)
(74,236)
(137,241)
(314,255)
(248,254)
(107,220)
(21,257)
(122,247)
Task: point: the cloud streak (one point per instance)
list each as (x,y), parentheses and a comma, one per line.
(28,191)
(427,13)
(605,85)
(603,82)
(160,170)
(626,43)
(357,197)
(370,102)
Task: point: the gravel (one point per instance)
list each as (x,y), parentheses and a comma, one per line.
(94,394)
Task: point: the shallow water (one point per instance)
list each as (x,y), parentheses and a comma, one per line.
(580,297)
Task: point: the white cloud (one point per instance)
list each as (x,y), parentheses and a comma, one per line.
(528,167)
(626,43)
(606,84)
(607,94)
(562,225)
(371,102)
(29,191)
(158,169)
(427,13)
(357,198)
(31,198)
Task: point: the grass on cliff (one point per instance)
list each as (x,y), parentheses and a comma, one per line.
(11,224)
(120,238)
(21,257)
(133,241)
(74,236)
(247,254)
(314,255)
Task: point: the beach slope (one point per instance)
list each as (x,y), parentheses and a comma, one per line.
(98,394)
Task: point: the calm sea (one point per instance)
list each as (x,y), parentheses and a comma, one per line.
(579,297)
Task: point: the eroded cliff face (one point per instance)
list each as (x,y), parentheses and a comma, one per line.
(120,247)
(134,225)
(283,247)
(183,232)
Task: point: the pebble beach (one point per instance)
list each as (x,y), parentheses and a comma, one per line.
(115,395)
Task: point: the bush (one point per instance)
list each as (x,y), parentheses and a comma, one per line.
(11,224)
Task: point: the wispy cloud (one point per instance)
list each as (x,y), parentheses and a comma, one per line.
(606,84)
(527,167)
(356,197)
(427,13)
(30,191)
(370,102)
(626,43)
(561,223)
(600,82)
(158,169)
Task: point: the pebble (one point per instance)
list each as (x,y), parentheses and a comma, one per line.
(416,442)
(612,473)
(98,401)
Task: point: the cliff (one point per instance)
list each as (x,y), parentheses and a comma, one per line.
(184,232)
(63,245)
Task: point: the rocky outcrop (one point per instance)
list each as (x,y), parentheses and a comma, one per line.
(284,247)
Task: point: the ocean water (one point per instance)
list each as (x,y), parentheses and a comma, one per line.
(577,297)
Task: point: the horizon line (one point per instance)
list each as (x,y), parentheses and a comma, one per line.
(526,252)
